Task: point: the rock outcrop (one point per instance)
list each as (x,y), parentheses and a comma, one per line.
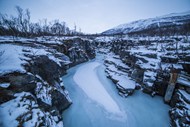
(180,113)
(34,85)
(117,71)
(79,50)
(150,61)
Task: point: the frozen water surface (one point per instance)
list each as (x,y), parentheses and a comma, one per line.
(96,102)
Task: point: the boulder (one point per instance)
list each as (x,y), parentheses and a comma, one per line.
(19,81)
(60,100)
(48,69)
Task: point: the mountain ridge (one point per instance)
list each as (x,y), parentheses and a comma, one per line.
(175,20)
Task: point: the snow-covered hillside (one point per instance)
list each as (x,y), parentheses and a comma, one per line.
(174,19)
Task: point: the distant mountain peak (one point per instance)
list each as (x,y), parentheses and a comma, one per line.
(165,21)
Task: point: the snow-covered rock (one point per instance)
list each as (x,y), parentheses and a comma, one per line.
(180,112)
(32,67)
(25,111)
(149,62)
(117,72)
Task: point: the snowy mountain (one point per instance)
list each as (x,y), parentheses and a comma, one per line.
(176,22)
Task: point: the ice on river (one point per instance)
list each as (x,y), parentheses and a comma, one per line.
(88,81)
(88,87)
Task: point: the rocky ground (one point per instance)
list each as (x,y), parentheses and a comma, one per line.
(33,94)
(31,89)
(146,63)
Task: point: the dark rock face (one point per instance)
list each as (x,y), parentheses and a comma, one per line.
(79,50)
(59,100)
(21,79)
(179,113)
(169,59)
(5,95)
(186,66)
(77,56)
(161,83)
(160,87)
(137,74)
(19,82)
(41,69)
(50,71)
(45,68)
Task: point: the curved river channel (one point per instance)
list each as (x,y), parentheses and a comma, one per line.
(96,102)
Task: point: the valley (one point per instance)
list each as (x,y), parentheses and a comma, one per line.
(136,74)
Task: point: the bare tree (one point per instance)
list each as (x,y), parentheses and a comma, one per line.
(75,28)
(22,26)
(23,18)
(20,17)
(27,21)
(10,24)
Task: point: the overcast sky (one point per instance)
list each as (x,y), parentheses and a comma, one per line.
(94,16)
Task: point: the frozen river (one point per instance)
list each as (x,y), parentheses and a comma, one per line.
(96,102)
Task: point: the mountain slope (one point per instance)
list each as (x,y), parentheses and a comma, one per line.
(175,22)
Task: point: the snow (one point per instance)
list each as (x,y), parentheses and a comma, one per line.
(149,78)
(4,85)
(112,68)
(13,59)
(12,109)
(177,14)
(185,94)
(27,109)
(104,39)
(177,66)
(122,80)
(141,49)
(182,107)
(10,60)
(42,40)
(43,93)
(151,64)
(58,61)
(87,80)
(116,69)
(184,81)
(126,83)
(146,23)
(5,38)
(103,50)
(115,59)
(49,40)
